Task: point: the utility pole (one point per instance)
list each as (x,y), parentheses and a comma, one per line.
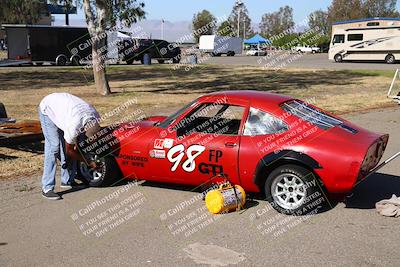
(162,29)
(244,30)
(239,5)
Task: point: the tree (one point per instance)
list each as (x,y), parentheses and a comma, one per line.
(21,11)
(226,29)
(319,20)
(345,10)
(240,11)
(276,23)
(101,15)
(380,8)
(203,23)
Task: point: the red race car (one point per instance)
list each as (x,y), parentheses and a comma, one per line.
(284,147)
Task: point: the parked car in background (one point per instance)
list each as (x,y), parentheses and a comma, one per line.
(160,50)
(307,49)
(221,45)
(256,52)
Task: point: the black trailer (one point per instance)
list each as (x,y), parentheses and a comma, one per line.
(60,45)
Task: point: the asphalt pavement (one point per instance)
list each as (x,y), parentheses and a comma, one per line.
(299,61)
(149,224)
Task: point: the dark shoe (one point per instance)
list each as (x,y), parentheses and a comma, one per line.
(51,195)
(70,185)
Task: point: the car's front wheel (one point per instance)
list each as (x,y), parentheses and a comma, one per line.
(292,189)
(107,173)
(338,58)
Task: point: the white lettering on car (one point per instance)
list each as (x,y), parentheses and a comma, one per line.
(176,154)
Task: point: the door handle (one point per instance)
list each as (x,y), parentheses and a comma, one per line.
(230,145)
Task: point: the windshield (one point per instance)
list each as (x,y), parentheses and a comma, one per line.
(168,121)
(307,113)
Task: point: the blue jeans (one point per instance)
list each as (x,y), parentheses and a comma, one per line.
(54,147)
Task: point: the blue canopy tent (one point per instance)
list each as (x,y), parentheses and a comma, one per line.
(257,40)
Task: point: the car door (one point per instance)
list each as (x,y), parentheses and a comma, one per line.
(201,145)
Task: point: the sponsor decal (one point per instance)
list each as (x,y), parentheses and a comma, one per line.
(159,143)
(176,154)
(157,154)
(135,161)
(168,143)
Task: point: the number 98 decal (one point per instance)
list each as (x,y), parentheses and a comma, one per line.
(176,154)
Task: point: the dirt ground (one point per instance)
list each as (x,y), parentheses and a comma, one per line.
(160,89)
(148,231)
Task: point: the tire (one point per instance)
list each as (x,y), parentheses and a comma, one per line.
(75,60)
(61,60)
(161,61)
(390,59)
(291,189)
(3,113)
(129,61)
(39,63)
(176,60)
(107,174)
(231,54)
(338,58)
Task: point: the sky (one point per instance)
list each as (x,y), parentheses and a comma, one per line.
(181,10)
(179,13)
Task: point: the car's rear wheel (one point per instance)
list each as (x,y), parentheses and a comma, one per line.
(338,58)
(107,174)
(292,189)
(161,61)
(61,60)
(390,59)
(76,60)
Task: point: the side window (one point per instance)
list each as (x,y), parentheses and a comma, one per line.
(261,123)
(338,39)
(355,37)
(369,24)
(211,118)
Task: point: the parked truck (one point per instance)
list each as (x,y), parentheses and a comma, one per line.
(60,45)
(221,45)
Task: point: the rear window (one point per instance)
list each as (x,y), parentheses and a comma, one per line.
(307,113)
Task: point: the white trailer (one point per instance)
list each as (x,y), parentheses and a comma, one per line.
(366,39)
(220,45)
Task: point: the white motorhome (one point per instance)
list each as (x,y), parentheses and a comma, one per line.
(366,39)
(219,45)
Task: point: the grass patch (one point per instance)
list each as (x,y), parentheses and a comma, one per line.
(159,89)
(369,73)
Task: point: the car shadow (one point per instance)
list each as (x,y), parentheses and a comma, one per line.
(375,188)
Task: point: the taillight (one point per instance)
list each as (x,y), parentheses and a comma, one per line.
(373,156)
